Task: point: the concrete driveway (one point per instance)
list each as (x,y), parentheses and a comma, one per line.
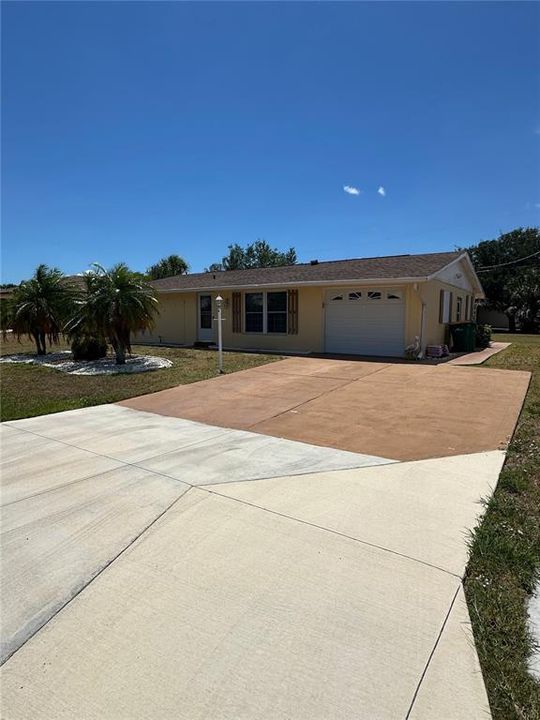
(158,567)
(399,411)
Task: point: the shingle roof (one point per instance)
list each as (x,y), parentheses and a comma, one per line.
(378,268)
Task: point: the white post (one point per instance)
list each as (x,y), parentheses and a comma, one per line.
(219,302)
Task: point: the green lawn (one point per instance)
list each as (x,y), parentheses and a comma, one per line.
(505,553)
(29,390)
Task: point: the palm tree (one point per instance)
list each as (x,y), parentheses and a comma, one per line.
(117,303)
(41,305)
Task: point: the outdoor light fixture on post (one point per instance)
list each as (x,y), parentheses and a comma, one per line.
(219,303)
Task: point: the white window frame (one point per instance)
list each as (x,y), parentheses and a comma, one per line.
(446,309)
(265,312)
(459,308)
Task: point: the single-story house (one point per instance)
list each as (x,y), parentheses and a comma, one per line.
(368,306)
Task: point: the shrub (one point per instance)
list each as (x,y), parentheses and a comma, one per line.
(87,347)
(483,336)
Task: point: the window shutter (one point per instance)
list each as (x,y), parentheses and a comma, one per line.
(441,306)
(451,307)
(292,306)
(467,317)
(237,312)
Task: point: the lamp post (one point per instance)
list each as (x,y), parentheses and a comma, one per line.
(219,303)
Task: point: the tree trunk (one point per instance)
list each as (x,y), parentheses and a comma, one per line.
(39,339)
(119,351)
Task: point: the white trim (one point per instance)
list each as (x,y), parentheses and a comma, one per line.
(304,283)
(470,267)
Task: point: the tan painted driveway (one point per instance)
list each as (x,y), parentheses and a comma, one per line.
(392,410)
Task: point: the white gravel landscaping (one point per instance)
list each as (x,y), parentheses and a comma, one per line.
(64,362)
(534,627)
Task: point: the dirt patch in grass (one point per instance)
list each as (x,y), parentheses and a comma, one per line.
(505,553)
(29,390)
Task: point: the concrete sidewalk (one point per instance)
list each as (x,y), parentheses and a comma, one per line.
(480,356)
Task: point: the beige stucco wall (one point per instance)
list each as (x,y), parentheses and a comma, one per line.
(435,332)
(176,322)
(178,319)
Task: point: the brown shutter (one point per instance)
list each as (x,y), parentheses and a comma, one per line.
(292,306)
(237,312)
(441,306)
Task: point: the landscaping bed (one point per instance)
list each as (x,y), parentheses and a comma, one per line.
(64,362)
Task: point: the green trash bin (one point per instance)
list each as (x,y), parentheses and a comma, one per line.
(463,336)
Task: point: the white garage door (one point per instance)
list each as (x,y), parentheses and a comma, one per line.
(366,321)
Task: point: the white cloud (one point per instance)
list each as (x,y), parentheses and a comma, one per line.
(381,191)
(351,190)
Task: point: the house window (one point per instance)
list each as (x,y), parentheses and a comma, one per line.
(356,295)
(266,312)
(393,296)
(337,297)
(459,306)
(254,312)
(276,312)
(374,295)
(445,306)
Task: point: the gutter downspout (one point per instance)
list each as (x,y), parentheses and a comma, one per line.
(422,331)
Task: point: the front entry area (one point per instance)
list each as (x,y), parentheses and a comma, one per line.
(365,321)
(205,331)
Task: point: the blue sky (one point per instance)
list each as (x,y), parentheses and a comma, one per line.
(134,130)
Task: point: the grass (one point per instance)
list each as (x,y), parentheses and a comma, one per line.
(29,390)
(505,553)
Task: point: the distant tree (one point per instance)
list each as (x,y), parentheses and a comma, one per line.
(257,255)
(214,267)
(116,304)
(524,289)
(6,315)
(40,306)
(508,280)
(167,267)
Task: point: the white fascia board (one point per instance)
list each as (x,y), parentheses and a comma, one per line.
(305,283)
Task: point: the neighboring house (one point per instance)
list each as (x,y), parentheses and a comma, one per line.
(369,306)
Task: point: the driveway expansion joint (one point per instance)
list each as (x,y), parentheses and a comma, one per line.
(316,397)
(99,572)
(432,653)
(331,531)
